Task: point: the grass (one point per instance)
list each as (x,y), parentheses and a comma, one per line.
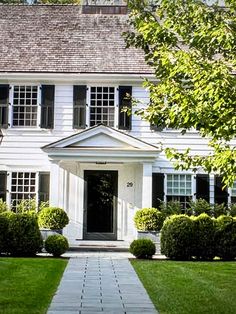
(189,287)
(28,284)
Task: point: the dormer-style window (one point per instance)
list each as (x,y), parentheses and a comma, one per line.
(25,106)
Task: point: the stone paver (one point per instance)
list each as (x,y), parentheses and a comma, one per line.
(101,283)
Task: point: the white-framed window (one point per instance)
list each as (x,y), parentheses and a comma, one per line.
(25,109)
(233,193)
(23,186)
(102,105)
(179,188)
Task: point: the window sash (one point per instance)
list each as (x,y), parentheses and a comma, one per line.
(23,186)
(28,185)
(25,108)
(179,184)
(184,200)
(102,107)
(233,191)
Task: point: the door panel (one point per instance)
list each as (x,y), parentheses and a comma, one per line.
(100,205)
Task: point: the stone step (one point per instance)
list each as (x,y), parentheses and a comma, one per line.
(104,246)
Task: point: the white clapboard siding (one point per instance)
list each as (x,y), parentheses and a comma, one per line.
(23,146)
(167,138)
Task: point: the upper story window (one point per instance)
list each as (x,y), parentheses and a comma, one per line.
(25,106)
(28,106)
(102,106)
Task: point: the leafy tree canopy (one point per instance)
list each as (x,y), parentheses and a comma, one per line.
(191,47)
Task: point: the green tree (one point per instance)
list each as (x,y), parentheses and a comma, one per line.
(191,47)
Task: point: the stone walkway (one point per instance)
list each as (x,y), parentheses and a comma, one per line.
(100,283)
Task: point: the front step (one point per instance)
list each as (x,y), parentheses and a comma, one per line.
(103,246)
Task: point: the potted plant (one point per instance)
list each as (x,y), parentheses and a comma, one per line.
(52,220)
(148,222)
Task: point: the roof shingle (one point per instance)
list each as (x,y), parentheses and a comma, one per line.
(58,38)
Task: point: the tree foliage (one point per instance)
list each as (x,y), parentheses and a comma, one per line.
(191,47)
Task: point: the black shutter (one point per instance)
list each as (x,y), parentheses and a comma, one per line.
(44,186)
(79,106)
(4,105)
(157,189)
(221,196)
(3,185)
(125,101)
(47,106)
(203,187)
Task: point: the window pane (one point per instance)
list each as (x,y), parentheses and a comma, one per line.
(179,184)
(22,187)
(102,106)
(25,103)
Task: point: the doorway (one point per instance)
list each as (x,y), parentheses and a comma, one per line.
(100,208)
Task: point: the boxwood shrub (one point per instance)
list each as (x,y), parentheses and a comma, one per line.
(142,248)
(23,235)
(225,237)
(56,245)
(204,237)
(52,218)
(177,237)
(148,219)
(3,232)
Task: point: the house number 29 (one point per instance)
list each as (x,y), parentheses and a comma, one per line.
(130,184)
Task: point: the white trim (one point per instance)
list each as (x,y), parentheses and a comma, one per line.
(74,77)
(101,129)
(10,115)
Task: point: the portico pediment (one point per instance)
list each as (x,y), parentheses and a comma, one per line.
(100,142)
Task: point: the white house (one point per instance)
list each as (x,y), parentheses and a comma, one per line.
(64,75)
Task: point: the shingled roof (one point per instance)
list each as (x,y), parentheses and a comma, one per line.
(59,38)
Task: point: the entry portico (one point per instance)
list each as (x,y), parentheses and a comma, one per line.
(119,164)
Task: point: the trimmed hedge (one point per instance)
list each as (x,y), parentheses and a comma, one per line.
(148,219)
(225,237)
(23,235)
(204,234)
(52,218)
(202,237)
(3,232)
(56,244)
(143,248)
(177,237)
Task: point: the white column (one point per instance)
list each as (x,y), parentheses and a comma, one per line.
(54,184)
(147,185)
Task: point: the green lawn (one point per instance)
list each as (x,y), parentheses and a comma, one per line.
(189,287)
(28,284)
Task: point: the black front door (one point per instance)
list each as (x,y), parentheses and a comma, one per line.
(100,216)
